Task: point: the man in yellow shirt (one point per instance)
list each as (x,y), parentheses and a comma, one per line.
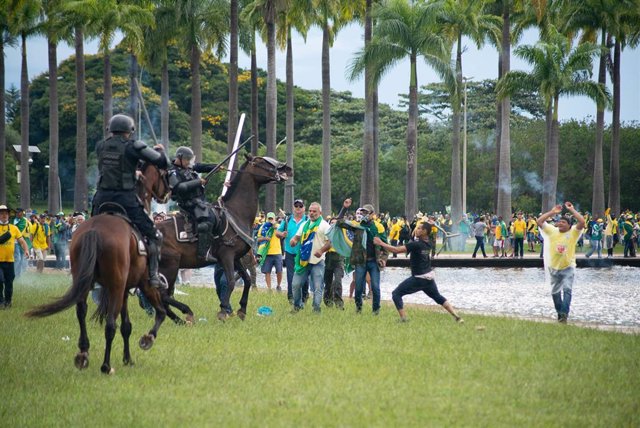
(560,255)
(39,230)
(532,232)
(9,235)
(270,249)
(519,230)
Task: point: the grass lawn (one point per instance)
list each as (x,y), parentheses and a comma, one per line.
(333,369)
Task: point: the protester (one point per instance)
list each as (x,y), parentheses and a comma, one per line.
(333,274)
(478,229)
(9,235)
(61,237)
(270,251)
(422,274)
(560,255)
(519,231)
(21,222)
(39,231)
(310,257)
(288,228)
(595,238)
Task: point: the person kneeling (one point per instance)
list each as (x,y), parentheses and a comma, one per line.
(422,275)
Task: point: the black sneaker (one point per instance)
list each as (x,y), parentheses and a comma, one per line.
(376,312)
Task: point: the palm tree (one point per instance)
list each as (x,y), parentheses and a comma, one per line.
(23,19)
(249,22)
(369,187)
(558,69)
(464,18)
(6,39)
(233,73)
(293,17)
(405,31)
(202,25)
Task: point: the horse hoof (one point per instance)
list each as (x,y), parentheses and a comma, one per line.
(190,320)
(222,316)
(179,321)
(82,360)
(146,342)
(241,315)
(107,370)
(127,362)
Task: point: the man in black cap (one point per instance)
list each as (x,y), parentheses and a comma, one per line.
(288,229)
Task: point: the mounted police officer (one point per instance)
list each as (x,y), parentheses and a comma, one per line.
(118,157)
(187,189)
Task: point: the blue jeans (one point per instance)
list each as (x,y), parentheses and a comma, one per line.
(479,246)
(314,275)
(290,266)
(596,244)
(19,261)
(372,267)
(561,289)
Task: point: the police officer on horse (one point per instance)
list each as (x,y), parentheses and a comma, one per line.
(187,189)
(118,157)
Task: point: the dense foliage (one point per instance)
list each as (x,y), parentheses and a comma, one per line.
(434,150)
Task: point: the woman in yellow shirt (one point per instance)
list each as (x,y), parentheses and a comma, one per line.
(39,239)
(9,235)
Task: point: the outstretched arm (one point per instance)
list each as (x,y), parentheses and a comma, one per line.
(396,250)
(576,214)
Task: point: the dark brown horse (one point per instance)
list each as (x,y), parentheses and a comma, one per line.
(238,208)
(105,250)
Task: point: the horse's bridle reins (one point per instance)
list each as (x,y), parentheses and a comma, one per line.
(154,193)
(275,174)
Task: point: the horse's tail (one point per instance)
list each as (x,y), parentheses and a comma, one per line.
(83,280)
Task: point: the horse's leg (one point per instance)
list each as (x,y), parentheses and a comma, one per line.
(146,341)
(229,273)
(244,300)
(82,358)
(125,330)
(110,331)
(185,309)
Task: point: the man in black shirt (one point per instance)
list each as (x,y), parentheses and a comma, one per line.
(422,275)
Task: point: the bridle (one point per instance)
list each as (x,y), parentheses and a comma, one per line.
(155,192)
(273,172)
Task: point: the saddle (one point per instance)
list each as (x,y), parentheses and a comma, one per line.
(113,208)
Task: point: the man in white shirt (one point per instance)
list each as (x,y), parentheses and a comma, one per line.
(312,236)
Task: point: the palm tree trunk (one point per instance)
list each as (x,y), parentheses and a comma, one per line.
(367,175)
(546,173)
(3,132)
(550,184)
(325,188)
(25,186)
(107,103)
(597,202)
(456,179)
(54,189)
(504,176)
(254,98)
(80,195)
(233,76)
(289,185)
(376,151)
(196,104)
(411,189)
(496,167)
(614,169)
(164,105)
(271,109)
(134,104)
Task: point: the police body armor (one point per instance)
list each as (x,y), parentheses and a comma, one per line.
(117,171)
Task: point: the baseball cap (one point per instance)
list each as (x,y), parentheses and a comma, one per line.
(4,208)
(298,201)
(271,215)
(369,208)
(61,214)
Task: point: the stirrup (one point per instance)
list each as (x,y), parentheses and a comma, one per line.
(157,282)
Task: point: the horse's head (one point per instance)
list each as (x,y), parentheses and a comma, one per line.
(153,183)
(266,169)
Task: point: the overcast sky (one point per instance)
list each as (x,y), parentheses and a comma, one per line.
(477,64)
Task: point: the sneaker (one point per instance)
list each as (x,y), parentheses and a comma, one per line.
(358,311)
(403,320)
(459,320)
(562,318)
(376,312)
(278,288)
(7,305)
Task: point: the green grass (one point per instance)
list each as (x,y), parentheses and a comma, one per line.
(333,369)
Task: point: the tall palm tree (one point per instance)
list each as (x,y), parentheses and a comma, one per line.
(463,18)
(23,20)
(330,16)
(250,20)
(559,69)
(6,39)
(233,73)
(202,24)
(405,31)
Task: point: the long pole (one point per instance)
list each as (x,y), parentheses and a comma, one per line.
(144,109)
(236,141)
(464,153)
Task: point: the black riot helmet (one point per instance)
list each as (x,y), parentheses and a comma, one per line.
(185,153)
(121,123)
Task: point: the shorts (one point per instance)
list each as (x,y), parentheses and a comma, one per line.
(271,261)
(40,253)
(531,237)
(498,243)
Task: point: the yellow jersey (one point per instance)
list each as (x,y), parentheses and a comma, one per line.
(7,249)
(562,246)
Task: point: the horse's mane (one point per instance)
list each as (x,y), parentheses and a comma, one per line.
(234,182)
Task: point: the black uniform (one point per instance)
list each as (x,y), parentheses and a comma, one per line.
(187,190)
(117,163)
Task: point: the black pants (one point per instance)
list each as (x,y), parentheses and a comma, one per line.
(7,275)
(413,285)
(479,245)
(333,274)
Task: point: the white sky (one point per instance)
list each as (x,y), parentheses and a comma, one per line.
(478,64)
